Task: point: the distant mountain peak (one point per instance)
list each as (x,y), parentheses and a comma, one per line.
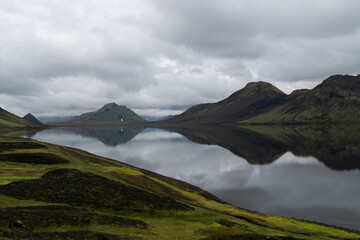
(344,85)
(31,118)
(259,89)
(257,84)
(262,86)
(340,79)
(110,112)
(108,107)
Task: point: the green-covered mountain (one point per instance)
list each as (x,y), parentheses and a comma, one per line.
(9,120)
(109,113)
(335,100)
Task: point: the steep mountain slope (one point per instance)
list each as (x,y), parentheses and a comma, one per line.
(10,120)
(335,100)
(31,118)
(109,113)
(253,99)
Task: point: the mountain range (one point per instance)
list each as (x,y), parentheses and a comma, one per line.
(335,100)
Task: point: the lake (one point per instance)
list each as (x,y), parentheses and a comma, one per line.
(303,172)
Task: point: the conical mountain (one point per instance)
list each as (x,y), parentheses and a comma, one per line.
(31,118)
(110,112)
(255,98)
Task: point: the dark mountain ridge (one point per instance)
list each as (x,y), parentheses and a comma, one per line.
(335,100)
(255,98)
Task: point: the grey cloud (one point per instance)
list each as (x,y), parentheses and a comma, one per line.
(196,69)
(312,59)
(209,27)
(68,57)
(277,18)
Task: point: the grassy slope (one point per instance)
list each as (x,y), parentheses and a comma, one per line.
(195,214)
(9,120)
(346,112)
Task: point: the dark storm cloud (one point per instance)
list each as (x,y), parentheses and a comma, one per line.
(65,57)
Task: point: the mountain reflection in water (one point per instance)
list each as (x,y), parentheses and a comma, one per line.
(302,172)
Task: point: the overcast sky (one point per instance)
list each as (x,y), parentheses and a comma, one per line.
(160,56)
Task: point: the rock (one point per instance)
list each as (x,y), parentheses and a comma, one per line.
(17,225)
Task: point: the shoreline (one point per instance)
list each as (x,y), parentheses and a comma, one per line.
(251,217)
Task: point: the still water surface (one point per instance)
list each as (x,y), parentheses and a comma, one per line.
(304,173)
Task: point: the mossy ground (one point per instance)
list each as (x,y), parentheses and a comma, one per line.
(90,197)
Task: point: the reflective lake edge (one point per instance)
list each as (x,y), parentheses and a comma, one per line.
(253,167)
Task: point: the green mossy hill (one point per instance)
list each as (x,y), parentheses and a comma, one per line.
(19,145)
(335,100)
(109,113)
(249,237)
(76,235)
(91,197)
(253,99)
(34,158)
(36,217)
(79,188)
(9,120)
